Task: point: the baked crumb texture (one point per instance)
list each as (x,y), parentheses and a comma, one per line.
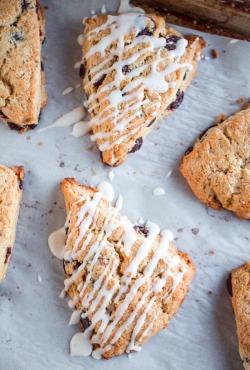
(135,71)
(217,168)
(22,77)
(127,281)
(239,290)
(11,184)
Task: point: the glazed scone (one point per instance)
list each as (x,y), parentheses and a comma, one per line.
(11,184)
(22,77)
(239,290)
(126,281)
(135,71)
(218,167)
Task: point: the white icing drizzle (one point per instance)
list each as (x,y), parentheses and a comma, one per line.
(67,90)
(111,175)
(80,345)
(57,241)
(62,294)
(77,64)
(126,7)
(95,302)
(39,278)
(103,10)
(107,190)
(169,174)
(75,318)
(159,191)
(127,104)
(119,203)
(67,119)
(81,128)
(80,39)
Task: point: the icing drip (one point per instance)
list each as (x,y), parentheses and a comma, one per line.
(56,242)
(126,7)
(130,102)
(95,302)
(67,119)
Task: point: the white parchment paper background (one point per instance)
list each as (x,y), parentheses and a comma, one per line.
(33,319)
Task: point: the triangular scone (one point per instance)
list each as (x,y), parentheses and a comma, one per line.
(127,281)
(135,70)
(239,290)
(22,77)
(11,184)
(218,167)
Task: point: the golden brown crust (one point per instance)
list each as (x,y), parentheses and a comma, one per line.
(147,115)
(161,310)
(22,79)
(218,167)
(11,184)
(239,289)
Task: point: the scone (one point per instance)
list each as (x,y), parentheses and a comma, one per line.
(239,290)
(126,281)
(218,167)
(11,184)
(135,71)
(22,77)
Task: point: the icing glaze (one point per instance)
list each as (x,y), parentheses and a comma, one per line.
(96,301)
(67,90)
(81,128)
(103,10)
(67,119)
(107,190)
(56,242)
(131,98)
(75,318)
(119,203)
(126,7)
(111,175)
(159,191)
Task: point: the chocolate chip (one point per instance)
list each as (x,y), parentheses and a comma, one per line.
(85,323)
(189,150)
(151,123)
(75,264)
(229,285)
(177,102)
(24,5)
(137,146)
(33,125)
(21,184)
(18,36)
(141,230)
(185,75)
(7,255)
(100,81)
(42,66)
(147,31)
(205,131)
(171,42)
(82,71)
(14,126)
(125,69)
(2,115)
(66,230)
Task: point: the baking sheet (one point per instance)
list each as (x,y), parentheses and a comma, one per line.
(33,319)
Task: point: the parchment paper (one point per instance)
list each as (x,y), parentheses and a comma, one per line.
(33,319)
